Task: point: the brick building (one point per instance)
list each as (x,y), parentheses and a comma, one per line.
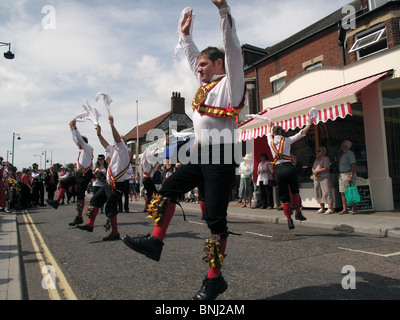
(347,66)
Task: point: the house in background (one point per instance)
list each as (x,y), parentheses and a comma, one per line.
(176,114)
(347,65)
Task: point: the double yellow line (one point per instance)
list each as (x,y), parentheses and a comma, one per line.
(46,259)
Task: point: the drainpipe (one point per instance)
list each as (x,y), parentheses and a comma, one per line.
(341,41)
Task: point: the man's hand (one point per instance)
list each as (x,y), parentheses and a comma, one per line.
(72,124)
(186,23)
(220,3)
(98,129)
(111,120)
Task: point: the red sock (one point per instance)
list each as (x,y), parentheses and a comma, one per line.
(93,218)
(60,195)
(203,207)
(114,225)
(215,272)
(146,203)
(287,209)
(161,230)
(82,205)
(297,202)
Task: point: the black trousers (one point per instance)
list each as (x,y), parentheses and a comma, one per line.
(214,181)
(267,198)
(108,196)
(82,182)
(38,192)
(286,178)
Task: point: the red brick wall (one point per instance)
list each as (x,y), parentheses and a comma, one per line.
(291,60)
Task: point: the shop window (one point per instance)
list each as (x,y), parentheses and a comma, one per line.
(330,135)
(391,97)
(370,42)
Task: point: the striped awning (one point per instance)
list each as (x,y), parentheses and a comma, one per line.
(330,104)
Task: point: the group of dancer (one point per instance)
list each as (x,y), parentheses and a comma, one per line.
(216,106)
(118,171)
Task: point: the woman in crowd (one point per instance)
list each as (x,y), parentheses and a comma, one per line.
(321,174)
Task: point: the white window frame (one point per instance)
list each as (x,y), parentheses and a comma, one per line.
(373,3)
(278,81)
(375,37)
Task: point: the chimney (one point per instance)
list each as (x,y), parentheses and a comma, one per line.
(177,103)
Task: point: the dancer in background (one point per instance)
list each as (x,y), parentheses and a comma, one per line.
(285,171)
(81,178)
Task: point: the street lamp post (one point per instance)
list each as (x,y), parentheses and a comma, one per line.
(8,55)
(13,145)
(45,158)
(137,138)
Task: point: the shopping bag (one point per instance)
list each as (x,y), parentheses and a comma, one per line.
(352,195)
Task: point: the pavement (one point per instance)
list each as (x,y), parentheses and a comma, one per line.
(381,224)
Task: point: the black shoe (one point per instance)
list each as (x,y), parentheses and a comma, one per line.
(111,237)
(86,228)
(78,220)
(211,288)
(53,203)
(290,224)
(148,245)
(299,216)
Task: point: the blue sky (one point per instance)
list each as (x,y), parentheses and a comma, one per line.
(123,48)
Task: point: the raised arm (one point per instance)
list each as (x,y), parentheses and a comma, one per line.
(116,136)
(103,141)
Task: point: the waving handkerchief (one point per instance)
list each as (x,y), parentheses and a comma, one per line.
(180,35)
(177,134)
(82,116)
(313,113)
(92,113)
(258,117)
(107,100)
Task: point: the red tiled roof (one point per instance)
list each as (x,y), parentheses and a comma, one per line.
(144,128)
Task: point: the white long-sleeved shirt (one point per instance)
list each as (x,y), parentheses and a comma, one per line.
(227,94)
(286,146)
(86,155)
(266,172)
(120,160)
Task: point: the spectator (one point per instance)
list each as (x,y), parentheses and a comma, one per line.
(264,181)
(347,169)
(157,177)
(321,174)
(51,182)
(26,189)
(3,187)
(246,182)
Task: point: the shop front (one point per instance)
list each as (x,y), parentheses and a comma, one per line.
(350,106)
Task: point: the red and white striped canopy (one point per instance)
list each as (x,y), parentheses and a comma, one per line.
(295,114)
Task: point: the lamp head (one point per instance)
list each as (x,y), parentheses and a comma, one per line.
(9,55)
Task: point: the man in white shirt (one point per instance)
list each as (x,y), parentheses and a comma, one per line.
(82,177)
(119,169)
(216,106)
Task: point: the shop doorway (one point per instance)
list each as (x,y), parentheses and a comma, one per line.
(392,125)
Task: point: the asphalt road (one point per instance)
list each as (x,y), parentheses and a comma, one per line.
(267,261)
